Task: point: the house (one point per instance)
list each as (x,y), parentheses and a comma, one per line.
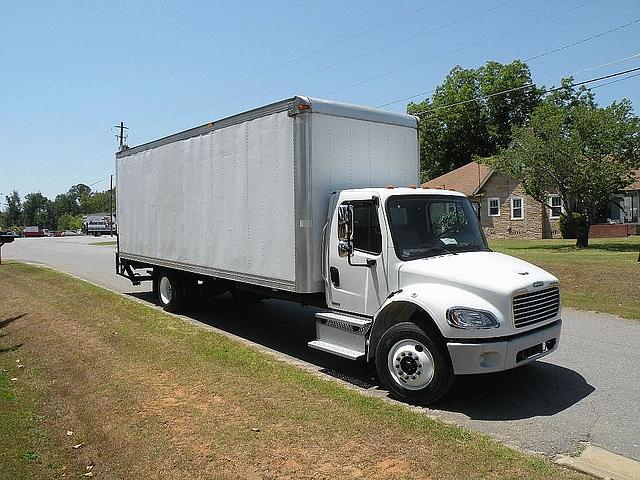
(506,211)
(622,216)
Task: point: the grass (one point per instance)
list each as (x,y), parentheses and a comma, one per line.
(105,243)
(149,395)
(602,278)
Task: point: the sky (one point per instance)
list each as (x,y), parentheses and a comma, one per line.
(72,70)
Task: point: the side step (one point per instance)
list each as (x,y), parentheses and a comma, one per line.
(341,334)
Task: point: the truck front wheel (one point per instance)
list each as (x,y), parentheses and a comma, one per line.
(412,366)
(170,291)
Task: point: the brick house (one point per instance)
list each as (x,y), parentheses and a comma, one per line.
(505,210)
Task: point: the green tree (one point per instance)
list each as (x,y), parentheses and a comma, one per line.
(576,149)
(78,195)
(13,212)
(465,118)
(38,210)
(97,202)
(70,222)
(65,203)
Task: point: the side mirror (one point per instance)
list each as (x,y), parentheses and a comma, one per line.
(345,230)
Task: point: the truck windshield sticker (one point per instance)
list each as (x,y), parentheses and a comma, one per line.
(449,241)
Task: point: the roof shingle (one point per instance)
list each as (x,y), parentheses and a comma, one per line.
(465,179)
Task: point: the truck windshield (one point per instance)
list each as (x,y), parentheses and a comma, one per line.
(425,225)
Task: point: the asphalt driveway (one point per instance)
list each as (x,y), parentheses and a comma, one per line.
(586,392)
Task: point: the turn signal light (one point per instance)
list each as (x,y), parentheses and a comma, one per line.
(303,106)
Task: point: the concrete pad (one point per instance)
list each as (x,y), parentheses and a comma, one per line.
(603,464)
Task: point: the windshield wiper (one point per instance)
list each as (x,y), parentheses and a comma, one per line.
(443,249)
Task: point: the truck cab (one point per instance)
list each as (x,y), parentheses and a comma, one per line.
(414,288)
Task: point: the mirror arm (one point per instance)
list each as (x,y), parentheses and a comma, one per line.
(371,262)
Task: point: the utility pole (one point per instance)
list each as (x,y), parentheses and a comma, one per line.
(122,136)
(111,205)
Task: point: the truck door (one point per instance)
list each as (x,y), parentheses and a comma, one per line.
(355,286)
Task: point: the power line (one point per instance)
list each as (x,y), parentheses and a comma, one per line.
(349,59)
(97,182)
(295,59)
(465,47)
(530,85)
(615,81)
(574,84)
(594,67)
(569,45)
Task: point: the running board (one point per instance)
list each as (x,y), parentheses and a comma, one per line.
(341,334)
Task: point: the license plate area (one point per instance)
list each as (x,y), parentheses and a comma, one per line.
(535,350)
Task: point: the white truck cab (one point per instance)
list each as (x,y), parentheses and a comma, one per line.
(416,289)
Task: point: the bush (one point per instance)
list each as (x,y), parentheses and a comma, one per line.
(69,222)
(566,229)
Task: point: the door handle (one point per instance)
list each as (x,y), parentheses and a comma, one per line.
(335,276)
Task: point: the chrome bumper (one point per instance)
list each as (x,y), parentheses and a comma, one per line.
(495,356)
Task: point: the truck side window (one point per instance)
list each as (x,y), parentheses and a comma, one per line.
(367,236)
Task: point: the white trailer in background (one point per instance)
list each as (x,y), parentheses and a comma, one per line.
(302,200)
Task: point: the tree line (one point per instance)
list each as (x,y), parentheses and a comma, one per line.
(554,140)
(65,212)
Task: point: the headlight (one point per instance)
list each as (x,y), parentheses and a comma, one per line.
(471,319)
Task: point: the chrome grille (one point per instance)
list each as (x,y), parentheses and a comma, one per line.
(534,307)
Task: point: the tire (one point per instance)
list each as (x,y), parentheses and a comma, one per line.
(170,291)
(414,367)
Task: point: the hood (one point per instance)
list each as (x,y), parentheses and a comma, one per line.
(481,271)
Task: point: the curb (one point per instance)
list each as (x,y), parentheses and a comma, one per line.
(603,464)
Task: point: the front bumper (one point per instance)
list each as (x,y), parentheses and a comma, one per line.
(503,354)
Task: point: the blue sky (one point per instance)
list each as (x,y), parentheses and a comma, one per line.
(71,70)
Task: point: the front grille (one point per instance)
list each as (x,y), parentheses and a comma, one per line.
(534,307)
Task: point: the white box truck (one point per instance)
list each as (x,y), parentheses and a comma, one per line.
(316,202)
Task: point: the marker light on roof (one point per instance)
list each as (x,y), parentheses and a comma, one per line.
(389,186)
(413,185)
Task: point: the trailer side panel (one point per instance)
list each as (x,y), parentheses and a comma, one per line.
(221,203)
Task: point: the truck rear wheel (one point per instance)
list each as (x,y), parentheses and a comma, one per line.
(412,366)
(170,290)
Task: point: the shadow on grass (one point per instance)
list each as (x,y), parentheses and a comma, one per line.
(284,327)
(13,348)
(7,321)
(538,389)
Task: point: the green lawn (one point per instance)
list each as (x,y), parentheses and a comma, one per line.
(105,243)
(604,277)
(147,395)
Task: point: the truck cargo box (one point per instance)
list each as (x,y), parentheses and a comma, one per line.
(245,198)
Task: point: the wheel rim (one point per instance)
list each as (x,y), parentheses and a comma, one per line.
(411,364)
(166,291)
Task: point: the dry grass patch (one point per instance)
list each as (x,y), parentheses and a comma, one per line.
(149,395)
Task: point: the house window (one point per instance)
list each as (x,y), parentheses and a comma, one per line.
(517,210)
(494,207)
(555,204)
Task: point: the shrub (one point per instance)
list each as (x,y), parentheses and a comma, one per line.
(565,226)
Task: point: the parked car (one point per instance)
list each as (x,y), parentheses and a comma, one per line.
(35,231)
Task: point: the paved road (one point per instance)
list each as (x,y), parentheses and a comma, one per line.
(588,391)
